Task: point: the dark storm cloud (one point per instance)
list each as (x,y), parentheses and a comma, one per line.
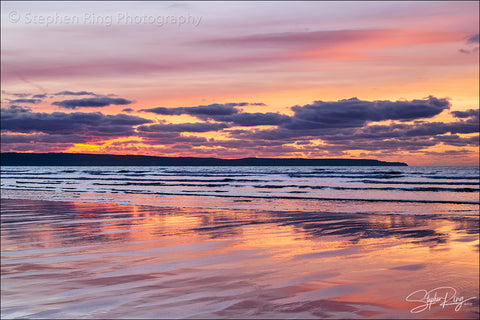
(75,93)
(19,120)
(356,113)
(91,102)
(34,101)
(183,127)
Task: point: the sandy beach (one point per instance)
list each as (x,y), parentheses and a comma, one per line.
(87,260)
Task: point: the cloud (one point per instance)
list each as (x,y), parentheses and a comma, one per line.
(17,119)
(183,127)
(206,110)
(455,140)
(411,144)
(375,137)
(466,114)
(43,138)
(16,109)
(252,119)
(330,38)
(34,101)
(356,113)
(475,38)
(342,125)
(345,125)
(36,147)
(418,129)
(91,102)
(40,96)
(171,138)
(75,93)
(309,38)
(471,40)
(466,51)
(20,95)
(226,113)
(127,110)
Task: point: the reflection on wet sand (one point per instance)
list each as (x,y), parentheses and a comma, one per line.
(69,260)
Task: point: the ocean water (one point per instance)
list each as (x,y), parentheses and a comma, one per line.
(239,242)
(417,190)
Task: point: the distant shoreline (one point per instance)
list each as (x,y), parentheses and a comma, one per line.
(85,159)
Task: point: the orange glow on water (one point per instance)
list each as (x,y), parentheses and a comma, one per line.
(321,263)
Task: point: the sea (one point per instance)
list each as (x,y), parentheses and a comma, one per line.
(239,242)
(381,190)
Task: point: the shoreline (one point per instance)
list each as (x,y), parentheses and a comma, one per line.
(253,203)
(104,260)
(21,196)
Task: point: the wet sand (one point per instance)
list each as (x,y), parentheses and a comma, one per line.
(87,260)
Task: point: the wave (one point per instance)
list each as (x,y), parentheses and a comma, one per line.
(432,189)
(419,185)
(132,171)
(136,179)
(222,183)
(419,182)
(255,183)
(160,184)
(41,182)
(454,177)
(251,197)
(347,176)
(299,198)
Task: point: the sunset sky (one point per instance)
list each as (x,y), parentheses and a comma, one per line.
(394,81)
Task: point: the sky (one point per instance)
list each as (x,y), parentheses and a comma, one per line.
(393,81)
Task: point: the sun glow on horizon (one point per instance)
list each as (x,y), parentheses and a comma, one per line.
(389,81)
